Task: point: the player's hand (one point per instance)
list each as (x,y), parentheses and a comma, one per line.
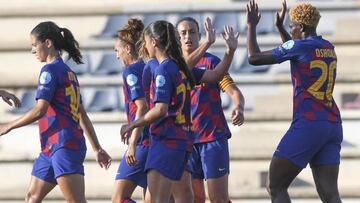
(253,14)
(231,38)
(103,158)
(131,154)
(4,129)
(125,133)
(237,116)
(10,98)
(279,17)
(210,31)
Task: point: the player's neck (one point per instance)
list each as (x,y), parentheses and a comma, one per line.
(52,57)
(161,57)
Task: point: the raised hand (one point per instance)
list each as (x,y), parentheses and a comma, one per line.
(279,17)
(103,159)
(125,133)
(210,31)
(231,38)
(10,98)
(253,14)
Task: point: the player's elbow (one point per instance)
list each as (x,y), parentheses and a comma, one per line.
(253,60)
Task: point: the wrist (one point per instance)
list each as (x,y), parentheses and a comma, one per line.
(98,150)
(230,51)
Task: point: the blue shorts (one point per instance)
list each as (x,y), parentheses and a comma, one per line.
(169,162)
(61,162)
(134,173)
(314,142)
(210,159)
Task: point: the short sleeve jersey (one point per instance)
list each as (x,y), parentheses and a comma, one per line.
(207,113)
(313,73)
(170,86)
(60,127)
(147,76)
(133,89)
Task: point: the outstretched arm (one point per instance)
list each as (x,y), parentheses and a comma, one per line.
(193,58)
(102,156)
(231,41)
(285,36)
(10,98)
(255,56)
(31,116)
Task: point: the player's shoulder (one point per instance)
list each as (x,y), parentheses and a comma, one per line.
(211,57)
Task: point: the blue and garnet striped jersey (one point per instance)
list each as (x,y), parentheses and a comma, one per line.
(207,113)
(147,76)
(133,89)
(313,73)
(170,86)
(60,127)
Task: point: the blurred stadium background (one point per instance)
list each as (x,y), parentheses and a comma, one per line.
(267,89)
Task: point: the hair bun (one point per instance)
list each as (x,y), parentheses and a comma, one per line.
(135,25)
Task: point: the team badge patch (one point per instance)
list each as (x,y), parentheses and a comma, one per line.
(288,45)
(131,79)
(45,78)
(160,81)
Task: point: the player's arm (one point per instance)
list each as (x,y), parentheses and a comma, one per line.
(193,58)
(237,114)
(255,56)
(103,158)
(158,111)
(231,41)
(279,22)
(10,98)
(131,152)
(31,116)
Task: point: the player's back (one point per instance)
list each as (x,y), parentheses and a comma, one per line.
(60,127)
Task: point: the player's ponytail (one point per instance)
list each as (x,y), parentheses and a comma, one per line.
(62,38)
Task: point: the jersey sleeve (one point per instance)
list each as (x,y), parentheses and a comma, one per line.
(134,85)
(163,85)
(46,84)
(287,51)
(226,82)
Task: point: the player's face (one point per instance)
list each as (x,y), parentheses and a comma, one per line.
(150,46)
(39,49)
(189,36)
(295,30)
(119,48)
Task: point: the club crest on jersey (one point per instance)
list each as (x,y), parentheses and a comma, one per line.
(160,81)
(288,45)
(45,78)
(131,79)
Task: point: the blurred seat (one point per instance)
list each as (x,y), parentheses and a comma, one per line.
(225,101)
(266,24)
(225,18)
(113,24)
(104,100)
(80,69)
(245,67)
(108,65)
(27,102)
(152,17)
